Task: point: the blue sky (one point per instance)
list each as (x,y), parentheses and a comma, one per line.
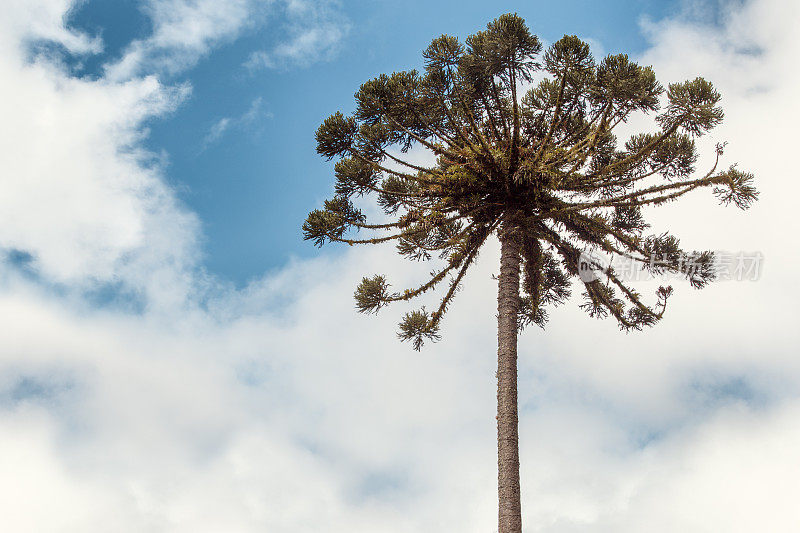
(253,186)
(159,155)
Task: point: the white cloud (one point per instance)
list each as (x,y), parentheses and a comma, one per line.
(185,31)
(277,408)
(255,111)
(315,31)
(79,193)
(217,130)
(46,20)
(225,124)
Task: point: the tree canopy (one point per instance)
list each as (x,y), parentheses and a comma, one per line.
(524,143)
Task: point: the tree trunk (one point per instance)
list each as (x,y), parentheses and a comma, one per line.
(508,486)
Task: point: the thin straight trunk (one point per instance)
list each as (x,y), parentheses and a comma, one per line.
(508,486)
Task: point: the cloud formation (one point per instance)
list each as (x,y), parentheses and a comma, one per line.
(225,124)
(277,408)
(314,30)
(80,195)
(185,31)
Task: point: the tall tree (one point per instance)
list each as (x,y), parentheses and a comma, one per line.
(525,150)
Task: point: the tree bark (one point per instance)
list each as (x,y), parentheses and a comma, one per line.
(508,301)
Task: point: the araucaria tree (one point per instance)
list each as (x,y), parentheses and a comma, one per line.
(525,150)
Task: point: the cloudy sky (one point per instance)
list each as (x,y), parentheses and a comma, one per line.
(174,358)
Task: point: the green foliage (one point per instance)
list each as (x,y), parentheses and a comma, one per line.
(625,85)
(331,223)
(544,165)
(335,135)
(692,106)
(371,294)
(569,56)
(506,49)
(417,326)
(628,219)
(545,283)
(736,187)
(674,157)
(354,177)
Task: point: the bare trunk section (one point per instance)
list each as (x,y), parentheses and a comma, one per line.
(508,486)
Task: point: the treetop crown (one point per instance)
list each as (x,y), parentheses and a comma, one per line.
(539,162)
